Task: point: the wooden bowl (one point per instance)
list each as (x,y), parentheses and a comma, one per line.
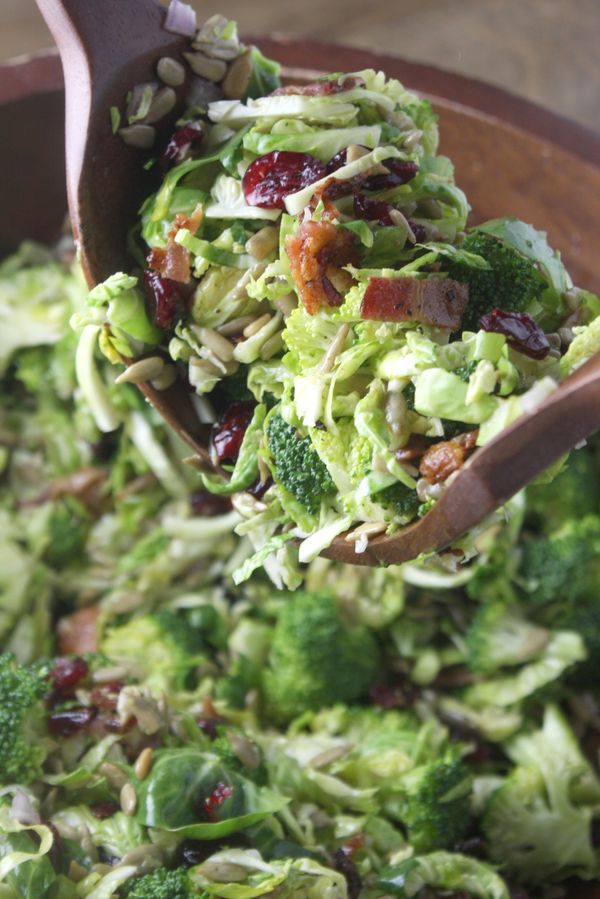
(511,157)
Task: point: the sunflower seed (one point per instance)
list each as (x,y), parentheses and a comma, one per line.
(263,242)
(286,304)
(162,104)
(368,529)
(140,136)
(170,71)
(238,77)
(354,152)
(334,349)
(246,751)
(211,69)
(272,346)
(128,799)
(222,872)
(236,325)
(256,325)
(166,378)
(219,345)
(223,50)
(142,370)
(143,763)
(113,774)
(109,673)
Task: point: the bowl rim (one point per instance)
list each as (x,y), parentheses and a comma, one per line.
(41,73)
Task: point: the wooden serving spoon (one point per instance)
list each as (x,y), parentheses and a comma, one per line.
(106,47)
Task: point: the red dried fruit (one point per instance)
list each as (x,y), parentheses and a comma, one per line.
(65,675)
(104,810)
(418,230)
(229,432)
(342,862)
(521,331)
(270,178)
(208,726)
(207,504)
(165,300)
(181,143)
(106,696)
(372,210)
(400,172)
(337,161)
(218,796)
(68,722)
(354,844)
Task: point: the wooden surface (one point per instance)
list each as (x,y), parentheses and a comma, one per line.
(545,50)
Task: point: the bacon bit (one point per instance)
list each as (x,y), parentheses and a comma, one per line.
(218,796)
(77,633)
(319,88)
(102,810)
(441,459)
(354,844)
(173,261)
(417,445)
(439,302)
(317,253)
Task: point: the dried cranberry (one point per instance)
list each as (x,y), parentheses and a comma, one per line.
(372,210)
(104,810)
(259,488)
(207,504)
(418,230)
(216,799)
(343,863)
(69,721)
(270,178)
(400,172)
(166,301)
(230,430)
(65,675)
(521,331)
(389,696)
(181,143)
(105,696)
(337,161)
(208,726)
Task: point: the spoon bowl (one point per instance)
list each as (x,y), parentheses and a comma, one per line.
(106,48)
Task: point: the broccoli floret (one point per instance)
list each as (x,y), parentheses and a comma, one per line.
(22,721)
(161,884)
(512,282)
(437,804)
(297,465)
(564,565)
(499,635)
(317,658)
(68,528)
(402,500)
(160,646)
(584,618)
(573,493)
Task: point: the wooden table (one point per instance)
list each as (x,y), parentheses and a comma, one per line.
(545,50)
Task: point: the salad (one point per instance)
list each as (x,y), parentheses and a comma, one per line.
(402,732)
(306,271)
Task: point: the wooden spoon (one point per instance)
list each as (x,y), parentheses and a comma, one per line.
(494,473)
(106,48)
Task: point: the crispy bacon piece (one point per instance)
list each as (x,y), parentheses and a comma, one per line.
(317,253)
(441,459)
(319,88)
(173,261)
(439,302)
(77,633)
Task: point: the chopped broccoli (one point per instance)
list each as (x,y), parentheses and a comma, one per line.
(402,499)
(512,282)
(161,884)
(584,618)
(538,822)
(573,493)
(22,715)
(160,647)
(233,389)
(564,565)
(317,658)
(233,688)
(499,635)
(297,465)
(437,804)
